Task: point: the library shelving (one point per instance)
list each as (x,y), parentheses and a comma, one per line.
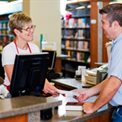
(76,37)
(5,37)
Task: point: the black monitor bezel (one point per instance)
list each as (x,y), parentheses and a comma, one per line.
(52,58)
(17,75)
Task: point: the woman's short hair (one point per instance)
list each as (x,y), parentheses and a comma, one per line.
(17,21)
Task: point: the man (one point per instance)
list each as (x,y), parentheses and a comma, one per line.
(109,90)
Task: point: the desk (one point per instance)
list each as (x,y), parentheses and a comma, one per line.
(25,108)
(77,116)
(68,83)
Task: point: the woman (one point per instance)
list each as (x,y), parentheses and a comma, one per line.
(22,28)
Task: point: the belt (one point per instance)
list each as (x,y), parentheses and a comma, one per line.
(119,106)
(119,109)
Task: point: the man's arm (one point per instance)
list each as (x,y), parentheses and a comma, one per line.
(85,94)
(108,90)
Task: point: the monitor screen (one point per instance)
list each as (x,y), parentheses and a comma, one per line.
(29,74)
(52,58)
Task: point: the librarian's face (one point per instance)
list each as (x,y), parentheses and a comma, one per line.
(107,27)
(27,31)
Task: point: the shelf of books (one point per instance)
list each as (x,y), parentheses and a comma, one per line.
(76,36)
(5,37)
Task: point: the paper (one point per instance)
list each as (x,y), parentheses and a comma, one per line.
(68,93)
(70,103)
(69,96)
(61,108)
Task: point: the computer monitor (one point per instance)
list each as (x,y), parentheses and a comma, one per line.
(52,58)
(29,74)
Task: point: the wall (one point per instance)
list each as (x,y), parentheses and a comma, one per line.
(46,17)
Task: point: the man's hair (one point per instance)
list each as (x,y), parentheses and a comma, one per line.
(114,12)
(17,21)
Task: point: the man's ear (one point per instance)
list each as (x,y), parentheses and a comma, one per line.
(115,24)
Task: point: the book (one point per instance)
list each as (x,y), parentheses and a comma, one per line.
(74,107)
(91,79)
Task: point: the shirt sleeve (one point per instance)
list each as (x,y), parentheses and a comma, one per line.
(8,56)
(115,68)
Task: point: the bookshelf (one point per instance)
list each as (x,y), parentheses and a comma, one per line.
(5,37)
(76,37)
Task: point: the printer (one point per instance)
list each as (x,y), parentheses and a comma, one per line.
(96,75)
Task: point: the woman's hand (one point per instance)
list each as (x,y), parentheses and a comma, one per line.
(50,88)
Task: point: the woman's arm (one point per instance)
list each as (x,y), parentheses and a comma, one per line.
(9,70)
(50,88)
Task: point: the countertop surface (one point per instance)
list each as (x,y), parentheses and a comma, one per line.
(70,83)
(25,104)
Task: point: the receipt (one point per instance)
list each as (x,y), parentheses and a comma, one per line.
(61,108)
(67,93)
(69,96)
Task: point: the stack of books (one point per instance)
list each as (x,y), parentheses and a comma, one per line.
(91,77)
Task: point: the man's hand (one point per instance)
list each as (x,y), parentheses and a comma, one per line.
(82,95)
(88,107)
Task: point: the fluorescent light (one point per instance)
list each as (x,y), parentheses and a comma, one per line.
(10,7)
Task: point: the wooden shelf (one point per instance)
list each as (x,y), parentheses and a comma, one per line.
(81,16)
(82,62)
(76,36)
(68,70)
(77,50)
(5,37)
(75,39)
(77,1)
(75,28)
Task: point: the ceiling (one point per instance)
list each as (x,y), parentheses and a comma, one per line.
(10,7)
(6,1)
